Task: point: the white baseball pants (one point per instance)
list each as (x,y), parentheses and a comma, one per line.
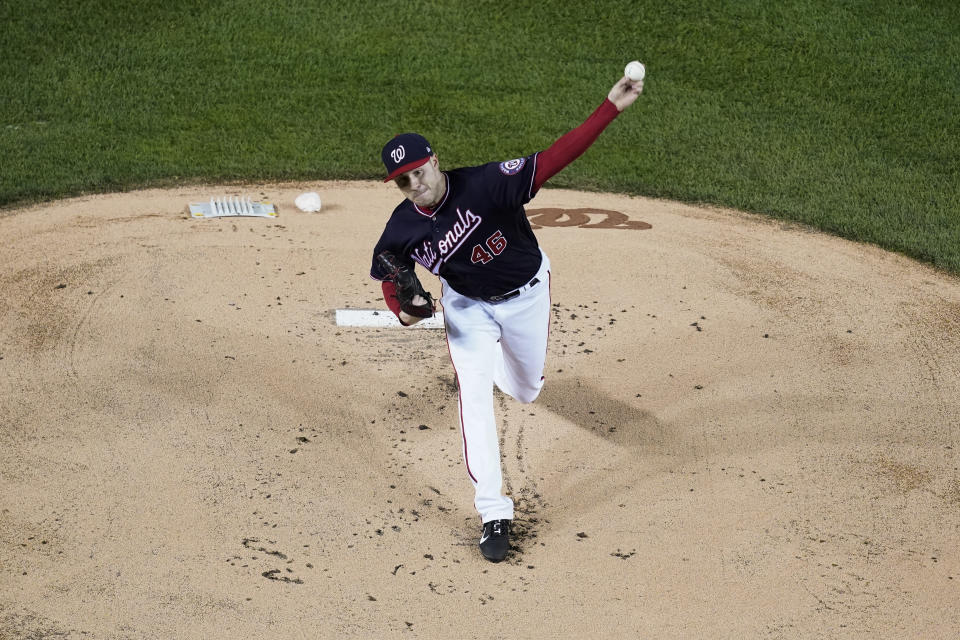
(503,343)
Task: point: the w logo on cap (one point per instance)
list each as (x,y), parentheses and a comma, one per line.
(405,152)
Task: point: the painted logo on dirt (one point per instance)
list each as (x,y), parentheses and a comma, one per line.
(583,218)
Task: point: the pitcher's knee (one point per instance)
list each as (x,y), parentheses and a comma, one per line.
(527,398)
(526,395)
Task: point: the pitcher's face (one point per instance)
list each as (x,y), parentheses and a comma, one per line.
(425,185)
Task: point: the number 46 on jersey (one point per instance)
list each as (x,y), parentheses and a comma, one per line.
(494,246)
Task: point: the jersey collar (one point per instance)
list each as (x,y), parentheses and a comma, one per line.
(424,211)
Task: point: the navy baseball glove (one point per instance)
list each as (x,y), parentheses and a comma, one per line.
(408,287)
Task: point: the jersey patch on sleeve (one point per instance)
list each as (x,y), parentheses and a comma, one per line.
(512,167)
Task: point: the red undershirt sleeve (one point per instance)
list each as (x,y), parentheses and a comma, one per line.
(572,144)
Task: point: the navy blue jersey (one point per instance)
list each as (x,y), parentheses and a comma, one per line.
(478,237)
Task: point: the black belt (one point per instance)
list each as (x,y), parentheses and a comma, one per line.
(512,294)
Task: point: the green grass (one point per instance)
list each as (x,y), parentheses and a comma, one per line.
(836,114)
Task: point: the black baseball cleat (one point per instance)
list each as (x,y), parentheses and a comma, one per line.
(495,540)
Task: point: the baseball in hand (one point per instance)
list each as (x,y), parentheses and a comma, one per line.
(635,71)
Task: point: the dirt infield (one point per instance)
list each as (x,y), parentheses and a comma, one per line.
(748,430)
